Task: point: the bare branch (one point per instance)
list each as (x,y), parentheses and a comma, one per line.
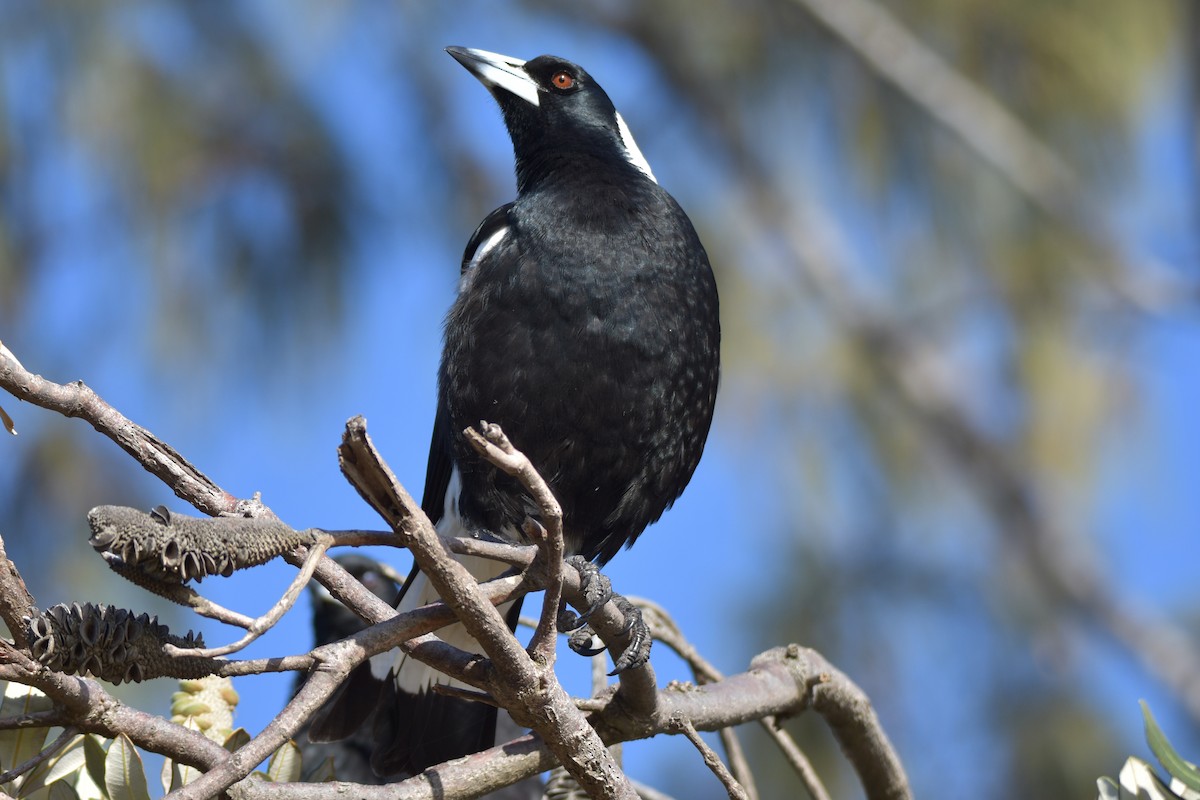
(663,626)
(712,761)
(493,445)
(61,741)
(157,457)
(548,709)
(16,602)
(781,682)
(264,623)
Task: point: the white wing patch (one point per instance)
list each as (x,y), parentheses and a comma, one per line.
(486,246)
(412,676)
(632,153)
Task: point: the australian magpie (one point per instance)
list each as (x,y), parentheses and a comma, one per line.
(586,325)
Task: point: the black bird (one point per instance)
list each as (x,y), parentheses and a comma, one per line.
(332,621)
(586,325)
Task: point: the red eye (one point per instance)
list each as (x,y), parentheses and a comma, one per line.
(563,80)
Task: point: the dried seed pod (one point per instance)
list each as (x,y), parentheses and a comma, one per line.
(175,548)
(111,643)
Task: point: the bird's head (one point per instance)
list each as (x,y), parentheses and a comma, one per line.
(553,110)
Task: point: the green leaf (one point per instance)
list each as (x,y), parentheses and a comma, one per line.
(188,773)
(68,760)
(94,755)
(236,740)
(285,765)
(170,777)
(19,745)
(61,790)
(124,777)
(1172,762)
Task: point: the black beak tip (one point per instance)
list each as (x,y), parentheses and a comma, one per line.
(459,53)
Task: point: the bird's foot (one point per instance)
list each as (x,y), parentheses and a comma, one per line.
(598,591)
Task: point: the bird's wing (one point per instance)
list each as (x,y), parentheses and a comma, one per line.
(439,468)
(489,233)
(441,460)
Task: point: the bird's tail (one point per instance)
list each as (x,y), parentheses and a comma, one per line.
(417,727)
(414,726)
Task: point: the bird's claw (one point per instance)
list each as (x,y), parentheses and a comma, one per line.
(596,588)
(583,640)
(598,591)
(637,652)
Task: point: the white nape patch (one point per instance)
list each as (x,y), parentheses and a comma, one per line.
(485,247)
(632,153)
(505,72)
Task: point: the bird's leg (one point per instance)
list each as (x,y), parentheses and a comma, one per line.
(598,591)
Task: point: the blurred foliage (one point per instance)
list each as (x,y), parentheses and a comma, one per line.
(1138,780)
(90,767)
(246,172)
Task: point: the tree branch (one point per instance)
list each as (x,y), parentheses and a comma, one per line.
(157,457)
(781,682)
(548,709)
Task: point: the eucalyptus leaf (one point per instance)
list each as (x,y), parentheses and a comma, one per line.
(1172,762)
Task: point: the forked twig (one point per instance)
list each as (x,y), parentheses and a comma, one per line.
(493,445)
(264,623)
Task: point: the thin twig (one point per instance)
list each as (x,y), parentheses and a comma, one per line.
(666,630)
(46,753)
(712,761)
(35,719)
(493,445)
(78,400)
(796,757)
(517,555)
(267,621)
